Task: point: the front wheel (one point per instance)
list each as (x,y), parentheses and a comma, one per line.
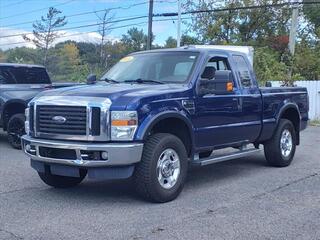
(161,174)
(61,181)
(15,130)
(280,149)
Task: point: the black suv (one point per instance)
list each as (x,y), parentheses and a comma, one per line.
(19,83)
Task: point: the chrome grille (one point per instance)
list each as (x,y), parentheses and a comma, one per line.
(75,119)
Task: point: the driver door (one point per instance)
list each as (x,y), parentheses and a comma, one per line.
(217,119)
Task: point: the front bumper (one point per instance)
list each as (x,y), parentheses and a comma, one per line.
(119,154)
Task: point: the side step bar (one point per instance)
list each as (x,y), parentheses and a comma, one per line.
(226,157)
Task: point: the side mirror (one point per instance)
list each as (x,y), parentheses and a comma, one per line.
(268,84)
(221,84)
(91,79)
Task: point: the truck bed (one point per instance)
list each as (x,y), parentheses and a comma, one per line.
(275,98)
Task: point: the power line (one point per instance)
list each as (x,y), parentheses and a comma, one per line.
(175,14)
(76,34)
(91,12)
(37,10)
(77,27)
(12,4)
(172,14)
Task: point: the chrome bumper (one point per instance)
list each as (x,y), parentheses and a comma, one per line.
(119,154)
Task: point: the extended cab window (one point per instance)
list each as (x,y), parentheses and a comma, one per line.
(243,70)
(24,75)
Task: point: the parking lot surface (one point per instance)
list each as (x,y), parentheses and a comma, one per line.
(239,199)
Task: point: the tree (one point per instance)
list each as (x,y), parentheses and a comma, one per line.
(69,60)
(135,40)
(267,65)
(104,29)
(3,56)
(23,55)
(189,40)
(240,25)
(45,31)
(170,43)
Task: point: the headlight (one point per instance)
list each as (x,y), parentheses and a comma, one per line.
(26,123)
(123,125)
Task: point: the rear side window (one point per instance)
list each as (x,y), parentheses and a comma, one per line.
(243,71)
(24,75)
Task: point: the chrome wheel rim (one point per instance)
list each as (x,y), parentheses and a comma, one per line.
(168,168)
(286,143)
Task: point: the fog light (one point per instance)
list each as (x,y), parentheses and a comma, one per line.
(28,147)
(104,155)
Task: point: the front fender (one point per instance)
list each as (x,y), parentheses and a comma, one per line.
(153,118)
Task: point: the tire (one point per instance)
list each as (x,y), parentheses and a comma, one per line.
(15,130)
(61,181)
(161,150)
(275,154)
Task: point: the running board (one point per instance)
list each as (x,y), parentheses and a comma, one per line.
(222,158)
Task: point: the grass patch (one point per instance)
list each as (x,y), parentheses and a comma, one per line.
(315,122)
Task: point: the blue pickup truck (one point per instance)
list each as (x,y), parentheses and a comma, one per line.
(155,113)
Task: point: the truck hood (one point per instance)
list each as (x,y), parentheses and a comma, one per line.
(121,94)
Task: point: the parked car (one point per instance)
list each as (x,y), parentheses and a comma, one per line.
(19,83)
(156,112)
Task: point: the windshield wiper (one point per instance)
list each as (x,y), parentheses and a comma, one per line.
(109,80)
(139,80)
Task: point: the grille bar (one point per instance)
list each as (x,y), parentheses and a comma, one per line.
(75,123)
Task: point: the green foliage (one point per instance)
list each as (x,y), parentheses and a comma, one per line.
(307,61)
(170,43)
(312,12)
(264,28)
(23,55)
(237,26)
(135,40)
(267,66)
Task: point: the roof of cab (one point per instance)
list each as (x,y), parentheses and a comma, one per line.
(224,49)
(20,65)
(201,48)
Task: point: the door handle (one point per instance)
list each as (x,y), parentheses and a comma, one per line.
(238,102)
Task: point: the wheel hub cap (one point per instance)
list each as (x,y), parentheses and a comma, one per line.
(286,143)
(168,168)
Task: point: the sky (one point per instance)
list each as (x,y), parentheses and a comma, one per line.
(16,17)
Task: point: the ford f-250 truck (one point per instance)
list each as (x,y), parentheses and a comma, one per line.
(157,112)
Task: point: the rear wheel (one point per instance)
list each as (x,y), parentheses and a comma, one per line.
(280,149)
(15,130)
(161,174)
(61,181)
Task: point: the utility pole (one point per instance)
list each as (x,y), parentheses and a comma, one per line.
(292,41)
(149,39)
(179,24)
(293,29)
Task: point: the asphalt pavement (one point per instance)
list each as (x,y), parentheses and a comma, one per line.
(238,199)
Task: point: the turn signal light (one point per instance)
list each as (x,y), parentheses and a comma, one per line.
(229,86)
(130,122)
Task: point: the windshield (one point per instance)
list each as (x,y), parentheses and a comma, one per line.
(161,67)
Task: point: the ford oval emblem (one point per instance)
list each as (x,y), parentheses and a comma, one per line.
(59,119)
